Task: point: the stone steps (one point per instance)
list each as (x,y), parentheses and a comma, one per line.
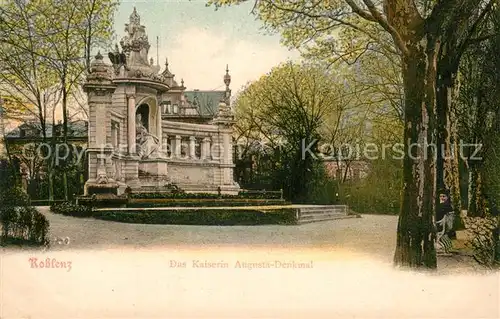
(323,213)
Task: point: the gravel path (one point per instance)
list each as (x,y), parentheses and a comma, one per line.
(118,270)
(376,231)
(371,235)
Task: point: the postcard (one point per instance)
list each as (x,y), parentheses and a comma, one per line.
(249,159)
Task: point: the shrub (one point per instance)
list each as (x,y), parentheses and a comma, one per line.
(24,225)
(260,194)
(103,201)
(70,209)
(13,197)
(180,195)
(174,196)
(20,223)
(481,234)
(202,217)
(168,202)
(322,189)
(492,171)
(377,193)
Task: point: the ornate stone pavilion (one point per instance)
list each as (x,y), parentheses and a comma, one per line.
(144,133)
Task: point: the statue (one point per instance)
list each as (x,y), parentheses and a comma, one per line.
(148,144)
(118,59)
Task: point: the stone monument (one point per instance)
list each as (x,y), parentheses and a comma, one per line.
(139,133)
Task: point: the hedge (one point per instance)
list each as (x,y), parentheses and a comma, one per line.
(216,202)
(219,217)
(45,202)
(156,200)
(69,209)
(103,202)
(180,195)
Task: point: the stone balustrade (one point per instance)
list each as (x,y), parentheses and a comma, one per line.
(195,148)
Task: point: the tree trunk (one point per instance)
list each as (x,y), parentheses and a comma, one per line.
(51,159)
(464,182)
(451,171)
(51,185)
(476,198)
(476,193)
(447,165)
(65,135)
(453,163)
(415,234)
(443,82)
(65,185)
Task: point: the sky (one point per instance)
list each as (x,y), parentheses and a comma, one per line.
(199,41)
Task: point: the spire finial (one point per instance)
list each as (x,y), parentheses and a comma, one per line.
(227,77)
(98,56)
(166,63)
(134,17)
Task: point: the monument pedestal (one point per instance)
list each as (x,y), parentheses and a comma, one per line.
(153,173)
(131,165)
(103,181)
(230,189)
(153,167)
(93,186)
(122,187)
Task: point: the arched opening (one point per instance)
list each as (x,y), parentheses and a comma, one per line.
(143,110)
(148,108)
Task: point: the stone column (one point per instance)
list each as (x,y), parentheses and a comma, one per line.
(227,148)
(215,148)
(158,124)
(101,124)
(114,135)
(164,144)
(172,147)
(131,124)
(205,148)
(177,148)
(192,147)
(228,178)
